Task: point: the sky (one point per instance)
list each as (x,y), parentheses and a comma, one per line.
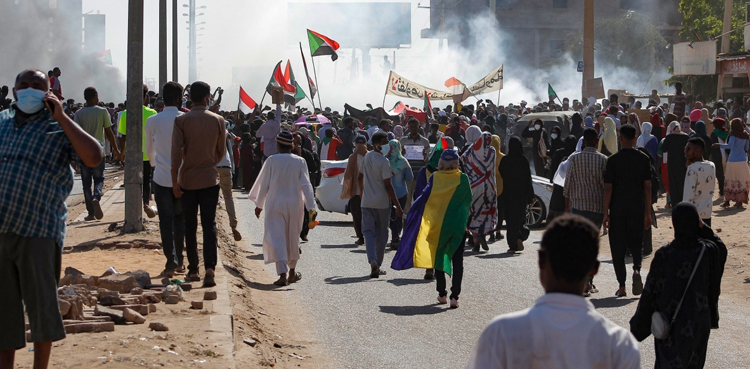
(243,33)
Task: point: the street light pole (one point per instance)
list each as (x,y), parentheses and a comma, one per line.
(588,45)
(192,67)
(175,75)
(162,44)
(134,106)
(725,39)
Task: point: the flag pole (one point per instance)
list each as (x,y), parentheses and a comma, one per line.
(308,76)
(386,88)
(261,100)
(316,82)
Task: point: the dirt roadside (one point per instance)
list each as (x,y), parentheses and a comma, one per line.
(260,332)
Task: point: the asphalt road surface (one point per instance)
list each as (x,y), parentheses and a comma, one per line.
(395,322)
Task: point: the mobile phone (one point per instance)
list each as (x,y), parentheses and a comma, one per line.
(50,107)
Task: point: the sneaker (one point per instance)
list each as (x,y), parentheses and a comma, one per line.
(89,218)
(442,300)
(236,234)
(454,303)
(429,274)
(98,213)
(519,245)
(208,279)
(150,211)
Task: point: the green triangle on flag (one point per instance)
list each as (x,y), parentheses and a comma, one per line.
(552,94)
(322,45)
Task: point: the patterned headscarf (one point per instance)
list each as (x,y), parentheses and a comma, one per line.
(479,165)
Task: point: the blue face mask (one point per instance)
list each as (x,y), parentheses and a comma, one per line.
(30,100)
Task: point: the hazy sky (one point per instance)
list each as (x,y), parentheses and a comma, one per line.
(241,33)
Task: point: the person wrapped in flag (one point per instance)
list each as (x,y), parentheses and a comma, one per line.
(328,146)
(435,227)
(478,162)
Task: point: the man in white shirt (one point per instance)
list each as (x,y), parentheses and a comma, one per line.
(268,132)
(562,329)
(159,149)
(700,179)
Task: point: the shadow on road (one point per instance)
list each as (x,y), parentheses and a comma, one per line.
(498,256)
(329,223)
(358,251)
(349,280)
(612,302)
(255,257)
(345,246)
(255,285)
(398,282)
(412,310)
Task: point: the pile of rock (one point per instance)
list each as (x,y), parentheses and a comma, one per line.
(96,304)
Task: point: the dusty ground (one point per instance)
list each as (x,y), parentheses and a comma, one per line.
(733,228)
(259,313)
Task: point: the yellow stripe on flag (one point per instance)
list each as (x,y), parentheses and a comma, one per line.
(443,186)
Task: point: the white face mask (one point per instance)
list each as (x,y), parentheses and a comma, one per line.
(536,126)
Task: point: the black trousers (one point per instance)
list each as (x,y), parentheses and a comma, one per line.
(147,174)
(171,225)
(458,275)
(355,207)
(305,224)
(625,233)
(206,199)
(515,218)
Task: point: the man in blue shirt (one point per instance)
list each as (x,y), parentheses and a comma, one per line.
(37,146)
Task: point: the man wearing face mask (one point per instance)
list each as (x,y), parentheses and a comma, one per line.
(32,204)
(198,145)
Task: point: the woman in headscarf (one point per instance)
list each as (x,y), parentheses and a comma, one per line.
(479,165)
(472,135)
(720,135)
(721,113)
(518,192)
(700,132)
(576,125)
(706,118)
(445,201)
(649,142)
(686,126)
(673,148)
(588,123)
(737,174)
(657,129)
(557,202)
(247,161)
(608,141)
(400,174)
(635,122)
(499,186)
(695,248)
(535,130)
(556,141)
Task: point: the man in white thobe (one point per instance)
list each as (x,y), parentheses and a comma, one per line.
(283,189)
(562,329)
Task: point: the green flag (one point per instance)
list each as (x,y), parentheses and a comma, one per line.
(552,94)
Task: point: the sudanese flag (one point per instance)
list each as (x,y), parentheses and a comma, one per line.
(322,45)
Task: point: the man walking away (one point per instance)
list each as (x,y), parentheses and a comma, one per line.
(159,129)
(347,136)
(95,120)
(268,132)
(627,196)
(32,204)
(225,182)
(284,190)
(541,337)
(700,180)
(352,186)
(198,145)
(376,192)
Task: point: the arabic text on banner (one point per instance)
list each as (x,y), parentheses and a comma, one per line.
(490,83)
(402,87)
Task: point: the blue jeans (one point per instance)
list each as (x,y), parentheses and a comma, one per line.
(97,174)
(171,225)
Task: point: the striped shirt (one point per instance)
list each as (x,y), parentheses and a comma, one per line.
(584,180)
(35,176)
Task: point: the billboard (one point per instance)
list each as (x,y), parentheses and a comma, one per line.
(695,58)
(377,25)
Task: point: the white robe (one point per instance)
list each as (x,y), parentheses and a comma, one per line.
(282,190)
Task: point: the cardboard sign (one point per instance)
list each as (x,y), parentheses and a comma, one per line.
(277,95)
(643,114)
(414,152)
(595,88)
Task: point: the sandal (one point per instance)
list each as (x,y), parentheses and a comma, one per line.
(281,282)
(618,294)
(294,278)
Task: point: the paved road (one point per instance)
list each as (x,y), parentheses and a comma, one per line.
(394,321)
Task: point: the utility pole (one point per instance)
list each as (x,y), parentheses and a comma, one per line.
(175,75)
(134,106)
(588,45)
(192,67)
(162,44)
(725,39)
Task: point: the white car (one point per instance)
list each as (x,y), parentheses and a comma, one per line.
(332,179)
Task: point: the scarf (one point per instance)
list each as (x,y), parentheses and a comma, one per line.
(609,138)
(646,135)
(674,128)
(700,129)
(588,123)
(472,135)
(719,129)
(738,130)
(704,115)
(685,220)
(394,156)
(479,165)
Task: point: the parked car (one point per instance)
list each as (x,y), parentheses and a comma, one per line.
(332,179)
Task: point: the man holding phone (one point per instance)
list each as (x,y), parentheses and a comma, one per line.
(37,146)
